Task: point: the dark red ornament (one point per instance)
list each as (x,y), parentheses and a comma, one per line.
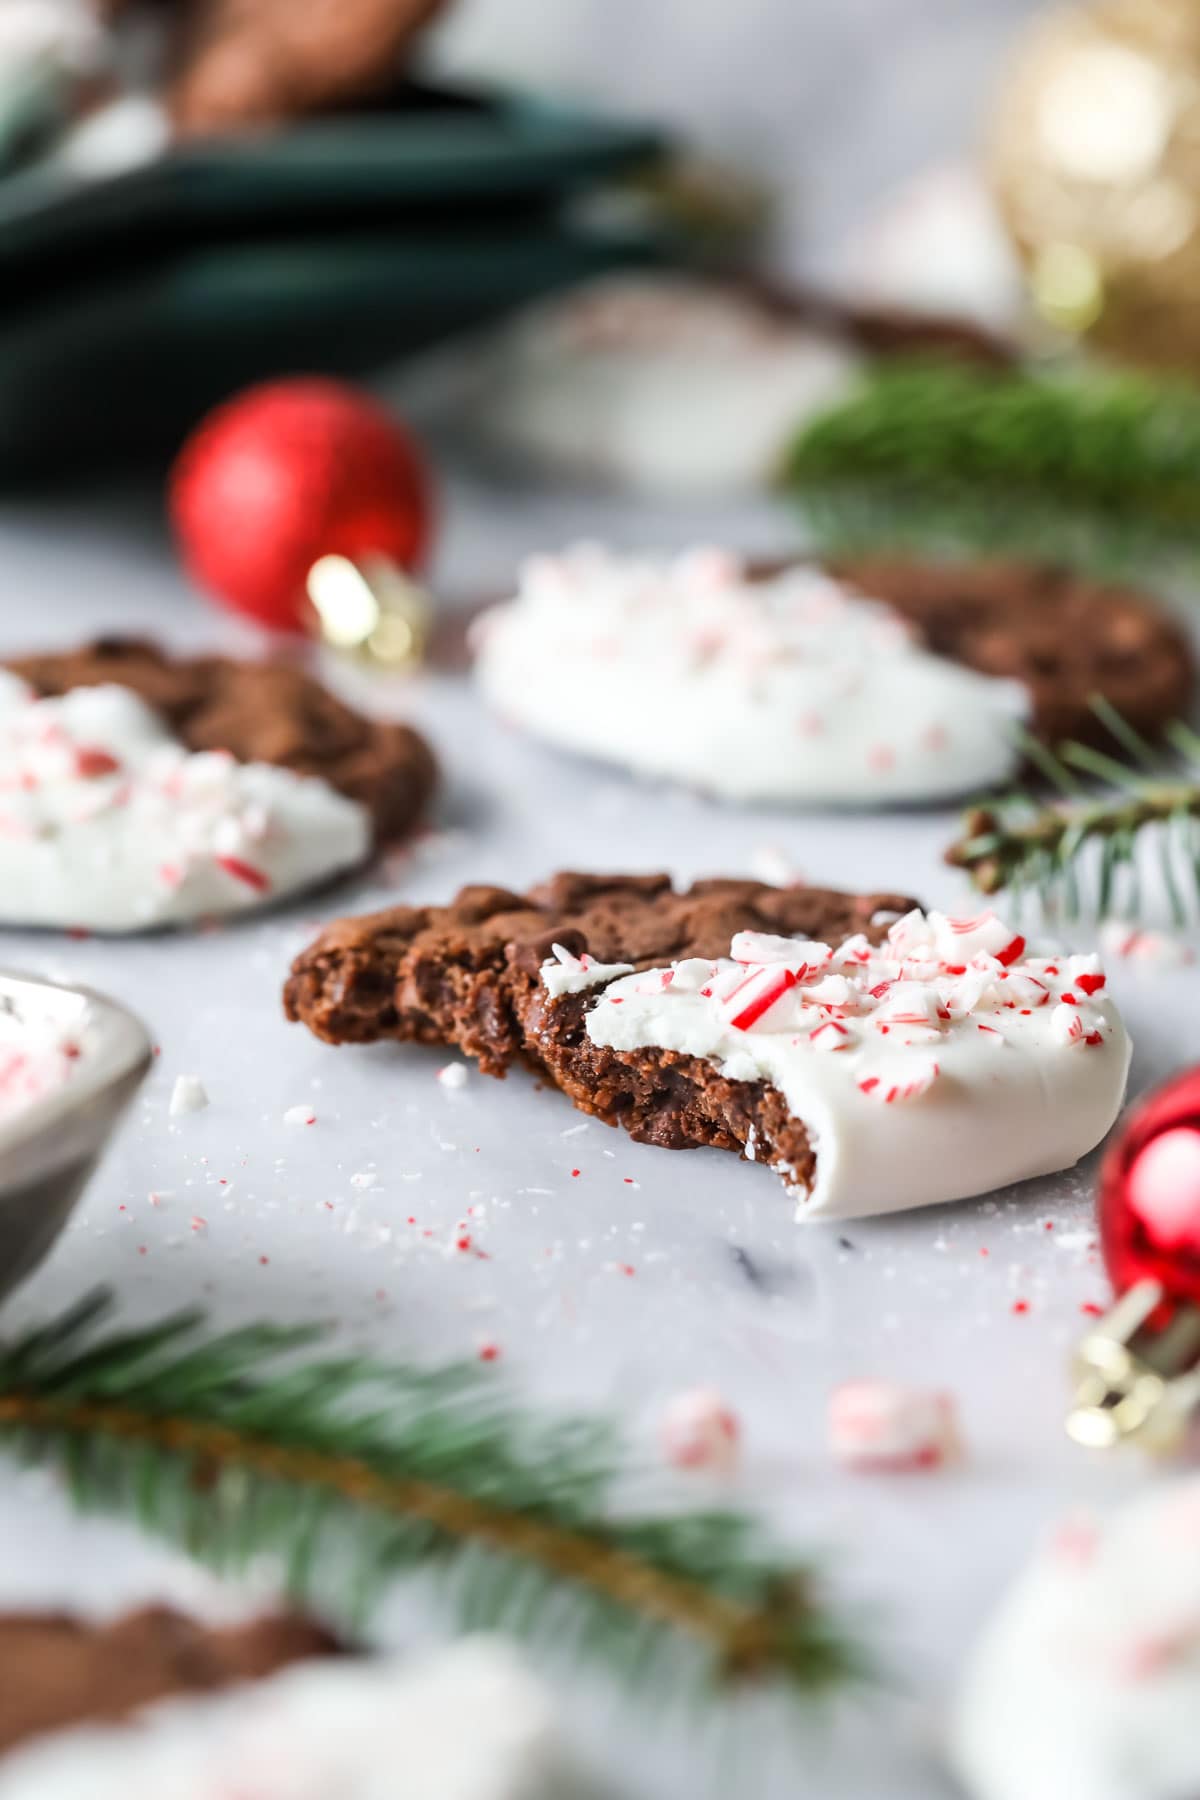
(287,474)
(1149,1204)
(1138,1369)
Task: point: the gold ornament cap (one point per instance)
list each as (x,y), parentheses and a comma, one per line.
(370,609)
(1135,1383)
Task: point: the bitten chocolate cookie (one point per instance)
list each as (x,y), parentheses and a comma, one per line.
(873,684)
(60,1671)
(144,790)
(875,1057)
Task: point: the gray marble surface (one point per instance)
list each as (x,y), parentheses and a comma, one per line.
(612,1288)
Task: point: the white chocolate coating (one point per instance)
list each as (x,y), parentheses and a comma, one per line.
(1086,1684)
(470,1723)
(658,384)
(946,1063)
(789,690)
(107,823)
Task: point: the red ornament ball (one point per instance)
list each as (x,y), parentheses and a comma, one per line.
(1149,1203)
(289,472)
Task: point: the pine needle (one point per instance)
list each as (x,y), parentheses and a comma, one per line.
(1092,467)
(246,1444)
(1085,853)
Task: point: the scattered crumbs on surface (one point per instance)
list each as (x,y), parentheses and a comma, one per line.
(1020,1306)
(264,1260)
(846,1244)
(576,1171)
(1091,1311)
(453,1075)
(984,1251)
(629,1181)
(573,1130)
(188,1095)
(199,1225)
(299,1115)
(489,1352)
(363,1178)
(1076,1240)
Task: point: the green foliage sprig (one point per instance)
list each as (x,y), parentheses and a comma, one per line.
(1095,467)
(1085,852)
(240,1445)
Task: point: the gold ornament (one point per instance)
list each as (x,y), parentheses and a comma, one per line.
(1095,161)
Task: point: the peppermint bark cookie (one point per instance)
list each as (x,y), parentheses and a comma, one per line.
(658,384)
(467,1722)
(138,791)
(61,1671)
(1086,1685)
(876,1057)
(882,684)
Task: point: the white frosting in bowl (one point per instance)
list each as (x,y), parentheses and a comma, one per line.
(792,689)
(107,823)
(946,1063)
(41,1054)
(1086,1685)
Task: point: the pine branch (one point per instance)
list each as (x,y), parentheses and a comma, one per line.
(1091,467)
(1086,852)
(238,1446)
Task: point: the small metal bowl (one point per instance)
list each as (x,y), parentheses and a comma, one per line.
(50,1148)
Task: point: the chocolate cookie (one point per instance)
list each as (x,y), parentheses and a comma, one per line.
(260,712)
(1066,638)
(59,1671)
(467,974)
(875,1057)
(238,63)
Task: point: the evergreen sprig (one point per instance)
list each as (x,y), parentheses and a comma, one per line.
(241,1446)
(1087,851)
(1090,466)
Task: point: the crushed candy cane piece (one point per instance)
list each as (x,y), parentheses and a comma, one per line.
(299,1115)
(887,1426)
(188,1095)
(453,1075)
(700,1431)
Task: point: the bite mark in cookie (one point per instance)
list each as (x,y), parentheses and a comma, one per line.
(877,1058)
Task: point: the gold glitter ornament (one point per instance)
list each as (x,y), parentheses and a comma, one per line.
(1094,157)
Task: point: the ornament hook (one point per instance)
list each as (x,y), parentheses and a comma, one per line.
(1135,1383)
(371,609)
